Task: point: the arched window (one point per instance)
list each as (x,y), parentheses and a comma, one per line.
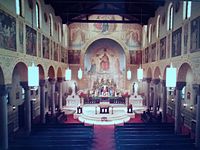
(37,14)
(50,25)
(158,26)
(59,32)
(187,9)
(170,17)
(150,33)
(19,7)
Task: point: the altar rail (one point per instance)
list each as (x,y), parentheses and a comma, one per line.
(97,100)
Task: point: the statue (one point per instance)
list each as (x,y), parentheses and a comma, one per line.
(135,88)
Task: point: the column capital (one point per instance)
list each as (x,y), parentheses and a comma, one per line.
(147,79)
(180,85)
(163,82)
(156,81)
(42,82)
(24,84)
(52,80)
(60,79)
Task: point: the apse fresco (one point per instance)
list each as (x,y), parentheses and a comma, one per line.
(163,48)
(195,35)
(153,52)
(7,31)
(176,42)
(31,37)
(74,56)
(105,60)
(81,33)
(45,47)
(135,57)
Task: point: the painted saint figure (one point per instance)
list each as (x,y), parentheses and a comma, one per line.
(104,64)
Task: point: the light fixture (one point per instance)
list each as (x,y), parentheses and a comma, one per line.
(80,73)
(68,74)
(171,77)
(185,105)
(129,74)
(33,76)
(13,107)
(140,73)
(191,107)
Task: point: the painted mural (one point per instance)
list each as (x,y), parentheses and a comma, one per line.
(45,47)
(39,44)
(146,55)
(176,42)
(185,38)
(135,57)
(31,37)
(64,55)
(56,50)
(195,37)
(21,37)
(153,52)
(129,34)
(163,48)
(7,31)
(74,56)
(105,60)
(132,35)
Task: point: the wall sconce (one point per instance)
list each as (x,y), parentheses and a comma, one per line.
(191,107)
(13,107)
(172,99)
(140,73)
(185,105)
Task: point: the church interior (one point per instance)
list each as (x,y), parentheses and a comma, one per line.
(99,74)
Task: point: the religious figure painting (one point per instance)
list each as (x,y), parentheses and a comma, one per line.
(146,53)
(104,28)
(195,37)
(21,36)
(132,35)
(185,38)
(7,31)
(74,56)
(77,35)
(135,57)
(39,44)
(163,48)
(176,42)
(45,47)
(153,52)
(63,54)
(31,37)
(56,50)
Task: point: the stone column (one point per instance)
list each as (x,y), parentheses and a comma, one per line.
(52,83)
(42,101)
(60,80)
(164,101)
(155,99)
(179,87)
(148,92)
(3,118)
(27,107)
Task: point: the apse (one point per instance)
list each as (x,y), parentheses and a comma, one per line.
(105,60)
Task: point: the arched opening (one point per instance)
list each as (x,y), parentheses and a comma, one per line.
(1,77)
(105,61)
(51,72)
(41,72)
(157,74)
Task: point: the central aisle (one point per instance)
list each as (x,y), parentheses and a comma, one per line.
(103,137)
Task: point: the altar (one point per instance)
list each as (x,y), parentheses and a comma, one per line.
(136,100)
(104,107)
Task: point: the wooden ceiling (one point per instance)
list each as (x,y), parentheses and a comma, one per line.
(132,11)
